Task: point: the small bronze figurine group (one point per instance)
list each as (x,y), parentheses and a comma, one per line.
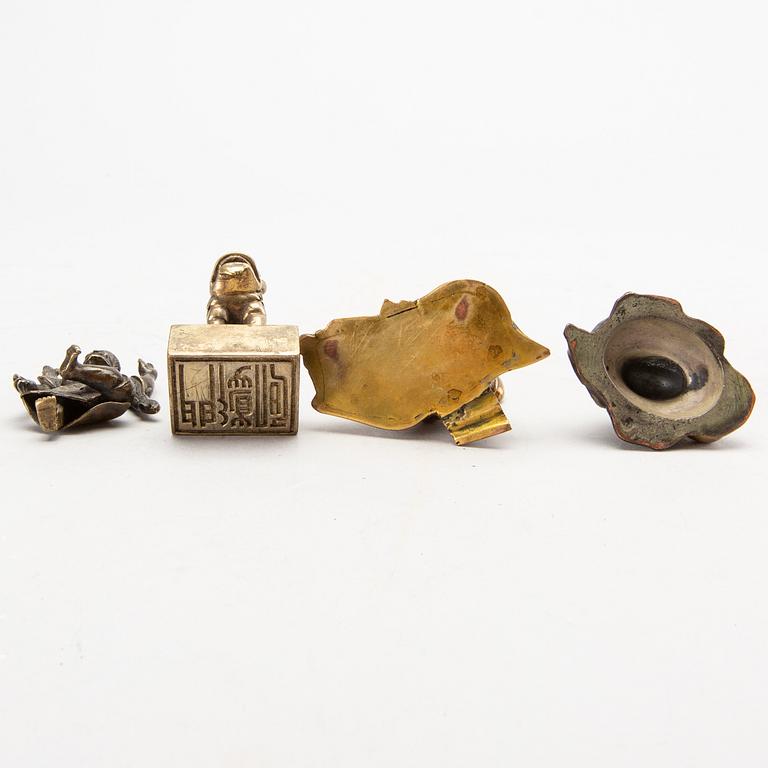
(76,394)
(661,375)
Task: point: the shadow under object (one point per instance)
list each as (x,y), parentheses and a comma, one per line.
(440,355)
(660,374)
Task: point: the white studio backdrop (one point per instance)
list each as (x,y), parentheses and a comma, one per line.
(349,597)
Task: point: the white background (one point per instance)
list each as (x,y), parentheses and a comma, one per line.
(348,597)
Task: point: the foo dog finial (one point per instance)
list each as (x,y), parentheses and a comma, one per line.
(78,393)
(237,292)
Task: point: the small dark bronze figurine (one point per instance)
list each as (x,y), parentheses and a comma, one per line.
(86,393)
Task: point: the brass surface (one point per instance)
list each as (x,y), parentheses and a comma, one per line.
(440,355)
(235,375)
(478,419)
(76,394)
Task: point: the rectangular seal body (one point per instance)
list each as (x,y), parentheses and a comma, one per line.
(234,379)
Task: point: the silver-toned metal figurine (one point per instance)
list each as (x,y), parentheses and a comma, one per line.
(75,393)
(237,292)
(236,375)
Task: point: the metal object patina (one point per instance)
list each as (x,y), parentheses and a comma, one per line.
(76,394)
(441,355)
(661,375)
(236,375)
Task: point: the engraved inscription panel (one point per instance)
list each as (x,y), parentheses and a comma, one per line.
(234,396)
